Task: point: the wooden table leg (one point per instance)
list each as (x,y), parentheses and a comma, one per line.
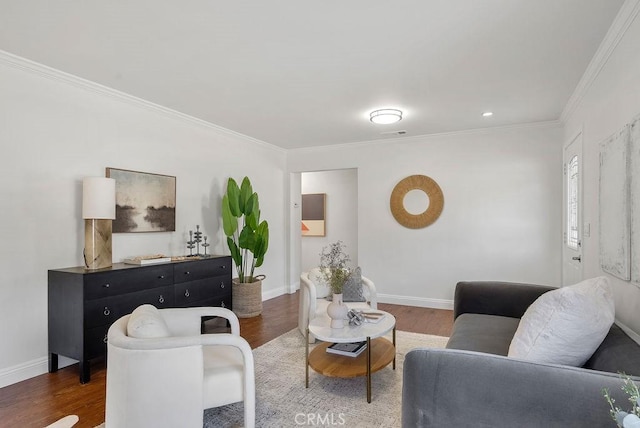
(368,369)
(394,347)
(306,368)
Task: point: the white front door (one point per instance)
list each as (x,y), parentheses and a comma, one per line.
(572,213)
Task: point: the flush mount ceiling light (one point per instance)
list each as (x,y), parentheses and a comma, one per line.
(385,116)
(487,114)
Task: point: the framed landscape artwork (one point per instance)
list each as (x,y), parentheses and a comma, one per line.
(145,202)
(313,214)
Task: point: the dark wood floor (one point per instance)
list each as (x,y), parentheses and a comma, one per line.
(44,399)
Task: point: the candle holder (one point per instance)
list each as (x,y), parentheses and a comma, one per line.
(195,238)
(205,245)
(191,244)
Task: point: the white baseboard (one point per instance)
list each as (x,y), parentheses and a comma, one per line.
(270,294)
(421,302)
(23,371)
(30,369)
(632,334)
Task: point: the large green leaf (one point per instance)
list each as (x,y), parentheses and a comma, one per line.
(233,194)
(229,221)
(245,194)
(247,238)
(261,240)
(235,252)
(252,212)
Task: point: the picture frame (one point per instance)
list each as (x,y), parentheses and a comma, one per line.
(145,202)
(314,214)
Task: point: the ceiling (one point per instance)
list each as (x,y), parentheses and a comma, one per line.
(296,73)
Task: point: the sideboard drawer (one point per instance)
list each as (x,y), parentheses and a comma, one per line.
(191,271)
(161,297)
(96,341)
(222,301)
(127,281)
(101,312)
(187,293)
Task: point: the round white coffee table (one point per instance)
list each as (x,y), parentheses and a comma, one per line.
(379,353)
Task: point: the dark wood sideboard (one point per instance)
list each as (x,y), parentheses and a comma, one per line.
(83,303)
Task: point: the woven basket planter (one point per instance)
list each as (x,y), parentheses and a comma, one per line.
(247,297)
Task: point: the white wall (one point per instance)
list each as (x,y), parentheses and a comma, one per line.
(341,209)
(610,102)
(56,130)
(502,211)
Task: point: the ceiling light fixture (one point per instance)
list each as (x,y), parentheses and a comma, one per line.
(385,116)
(487,114)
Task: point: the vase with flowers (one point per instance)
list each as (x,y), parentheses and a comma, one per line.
(624,419)
(335,270)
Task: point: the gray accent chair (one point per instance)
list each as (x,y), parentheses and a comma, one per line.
(472,383)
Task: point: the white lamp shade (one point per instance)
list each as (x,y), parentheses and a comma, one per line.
(99,198)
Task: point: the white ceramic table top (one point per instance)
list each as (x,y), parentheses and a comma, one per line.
(321,329)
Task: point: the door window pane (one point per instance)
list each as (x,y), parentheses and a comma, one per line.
(572,204)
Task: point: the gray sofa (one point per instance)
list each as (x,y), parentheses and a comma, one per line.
(473,384)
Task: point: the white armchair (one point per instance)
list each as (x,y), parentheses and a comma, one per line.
(169,381)
(313,302)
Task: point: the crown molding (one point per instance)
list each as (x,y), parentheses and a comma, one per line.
(426,137)
(56,75)
(627,14)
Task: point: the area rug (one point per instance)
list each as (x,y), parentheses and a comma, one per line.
(283,401)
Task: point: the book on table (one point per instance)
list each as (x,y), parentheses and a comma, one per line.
(348,349)
(147,260)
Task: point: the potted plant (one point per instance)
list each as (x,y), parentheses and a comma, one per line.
(335,270)
(248,241)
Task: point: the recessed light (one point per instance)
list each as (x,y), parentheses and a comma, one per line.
(487,114)
(385,116)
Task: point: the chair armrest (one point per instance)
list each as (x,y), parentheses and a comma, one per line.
(309,287)
(373,296)
(307,303)
(507,299)
(187,321)
(444,387)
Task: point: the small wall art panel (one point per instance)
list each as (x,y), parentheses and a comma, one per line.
(615,240)
(634,132)
(314,214)
(145,202)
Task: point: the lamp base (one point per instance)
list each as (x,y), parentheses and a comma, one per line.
(97,244)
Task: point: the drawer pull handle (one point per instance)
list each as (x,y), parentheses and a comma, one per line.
(222,285)
(187,273)
(106,311)
(161,299)
(161,277)
(105,340)
(222,305)
(106,285)
(186,293)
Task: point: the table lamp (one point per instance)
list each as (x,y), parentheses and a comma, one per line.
(98,212)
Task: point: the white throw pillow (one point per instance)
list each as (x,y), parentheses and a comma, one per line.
(322,288)
(565,326)
(146,322)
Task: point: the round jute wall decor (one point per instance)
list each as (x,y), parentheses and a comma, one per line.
(428,186)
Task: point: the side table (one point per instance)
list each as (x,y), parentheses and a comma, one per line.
(379,353)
